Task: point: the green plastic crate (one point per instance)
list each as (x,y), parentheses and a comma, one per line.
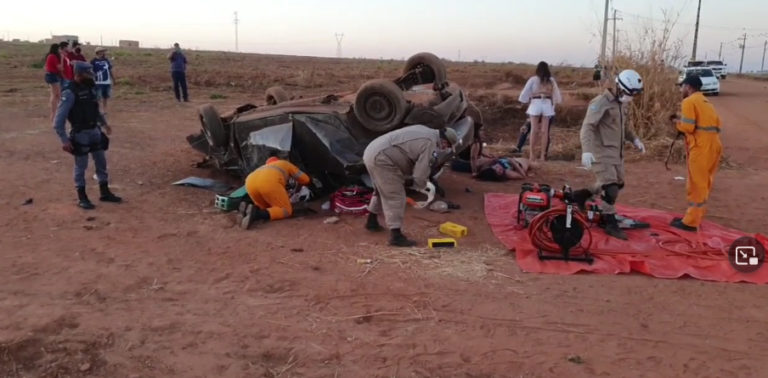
(231,201)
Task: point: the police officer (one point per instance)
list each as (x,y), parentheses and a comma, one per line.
(80,107)
(391,160)
(603,134)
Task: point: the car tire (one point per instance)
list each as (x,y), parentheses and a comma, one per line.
(275,95)
(436,68)
(213,127)
(380,105)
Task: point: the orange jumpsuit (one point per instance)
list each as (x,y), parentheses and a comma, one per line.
(701,126)
(266,187)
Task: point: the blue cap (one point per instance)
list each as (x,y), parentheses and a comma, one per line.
(82,68)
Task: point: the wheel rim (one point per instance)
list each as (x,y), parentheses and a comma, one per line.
(379,108)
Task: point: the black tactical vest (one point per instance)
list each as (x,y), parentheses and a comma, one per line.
(85,112)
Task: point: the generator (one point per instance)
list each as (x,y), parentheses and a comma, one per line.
(534,199)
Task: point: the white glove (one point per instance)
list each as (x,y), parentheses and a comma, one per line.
(429,190)
(639,145)
(317,183)
(587,159)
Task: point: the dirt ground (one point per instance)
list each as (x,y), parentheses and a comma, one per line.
(164,285)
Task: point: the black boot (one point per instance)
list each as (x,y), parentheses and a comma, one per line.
(397,239)
(83,200)
(373,223)
(580,197)
(612,227)
(106,195)
(678,223)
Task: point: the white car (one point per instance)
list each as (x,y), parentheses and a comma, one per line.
(719,68)
(709,82)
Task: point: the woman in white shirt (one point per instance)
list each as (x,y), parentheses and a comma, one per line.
(542,93)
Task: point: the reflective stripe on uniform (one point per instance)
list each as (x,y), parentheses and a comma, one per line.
(709,129)
(688,121)
(285,213)
(694,204)
(297,175)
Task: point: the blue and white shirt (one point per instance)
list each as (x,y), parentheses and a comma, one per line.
(101,71)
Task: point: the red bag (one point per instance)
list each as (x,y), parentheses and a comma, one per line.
(351,200)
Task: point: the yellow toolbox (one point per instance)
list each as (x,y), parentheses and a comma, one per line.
(442,243)
(453,229)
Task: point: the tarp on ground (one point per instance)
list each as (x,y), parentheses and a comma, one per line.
(660,251)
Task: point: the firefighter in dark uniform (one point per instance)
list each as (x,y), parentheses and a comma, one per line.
(80,107)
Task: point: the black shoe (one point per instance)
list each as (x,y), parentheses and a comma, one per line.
(397,239)
(107,195)
(678,223)
(612,227)
(580,197)
(83,200)
(372,224)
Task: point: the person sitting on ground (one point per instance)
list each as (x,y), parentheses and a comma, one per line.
(266,188)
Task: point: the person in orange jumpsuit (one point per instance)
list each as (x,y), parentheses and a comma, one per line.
(266,188)
(700,124)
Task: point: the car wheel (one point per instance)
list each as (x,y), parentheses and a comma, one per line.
(432,68)
(380,105)
(213,127)
(275,95)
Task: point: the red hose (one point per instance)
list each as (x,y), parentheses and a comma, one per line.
(541,236)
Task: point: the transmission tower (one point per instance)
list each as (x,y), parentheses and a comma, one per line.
(339,37)
(237,21)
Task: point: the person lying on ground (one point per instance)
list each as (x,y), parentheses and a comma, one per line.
(266,189)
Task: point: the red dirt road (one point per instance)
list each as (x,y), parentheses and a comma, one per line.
(163,285)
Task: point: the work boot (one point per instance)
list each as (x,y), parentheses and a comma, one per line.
(83,200)
(580,197)
(612,227)
(397,239)
(107,195)
(372,224)
(678,223)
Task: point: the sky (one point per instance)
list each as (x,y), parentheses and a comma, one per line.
(557,31)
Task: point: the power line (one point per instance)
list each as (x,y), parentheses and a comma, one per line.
(740,28)
(237,21)
(339,37)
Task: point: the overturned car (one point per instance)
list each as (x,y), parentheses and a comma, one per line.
(326,136)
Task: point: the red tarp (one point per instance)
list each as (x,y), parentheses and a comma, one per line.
(660,251)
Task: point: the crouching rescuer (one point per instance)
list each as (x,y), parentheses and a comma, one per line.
(393,159)
(266,187)
(79,106)
(603,134)
(700,124)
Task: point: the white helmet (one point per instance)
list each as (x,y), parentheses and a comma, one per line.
(630,81)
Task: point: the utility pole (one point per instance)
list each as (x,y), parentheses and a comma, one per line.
(743,46)
(762,66)
(339,37)
(605,32)
(720,54)
(237,21)
(615,39)
(696,33)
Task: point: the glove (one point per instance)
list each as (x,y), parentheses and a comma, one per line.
(587,159)
(639,145)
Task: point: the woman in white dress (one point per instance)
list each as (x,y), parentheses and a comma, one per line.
(542,93)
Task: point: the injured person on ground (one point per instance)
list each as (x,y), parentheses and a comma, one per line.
(487,167)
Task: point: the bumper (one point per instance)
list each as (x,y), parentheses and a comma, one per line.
(710,90)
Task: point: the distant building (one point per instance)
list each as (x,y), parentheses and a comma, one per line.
(60,38)
(129,44)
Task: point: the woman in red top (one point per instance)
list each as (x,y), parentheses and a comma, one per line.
(53,75)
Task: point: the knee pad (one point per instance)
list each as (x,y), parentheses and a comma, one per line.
(610,193)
